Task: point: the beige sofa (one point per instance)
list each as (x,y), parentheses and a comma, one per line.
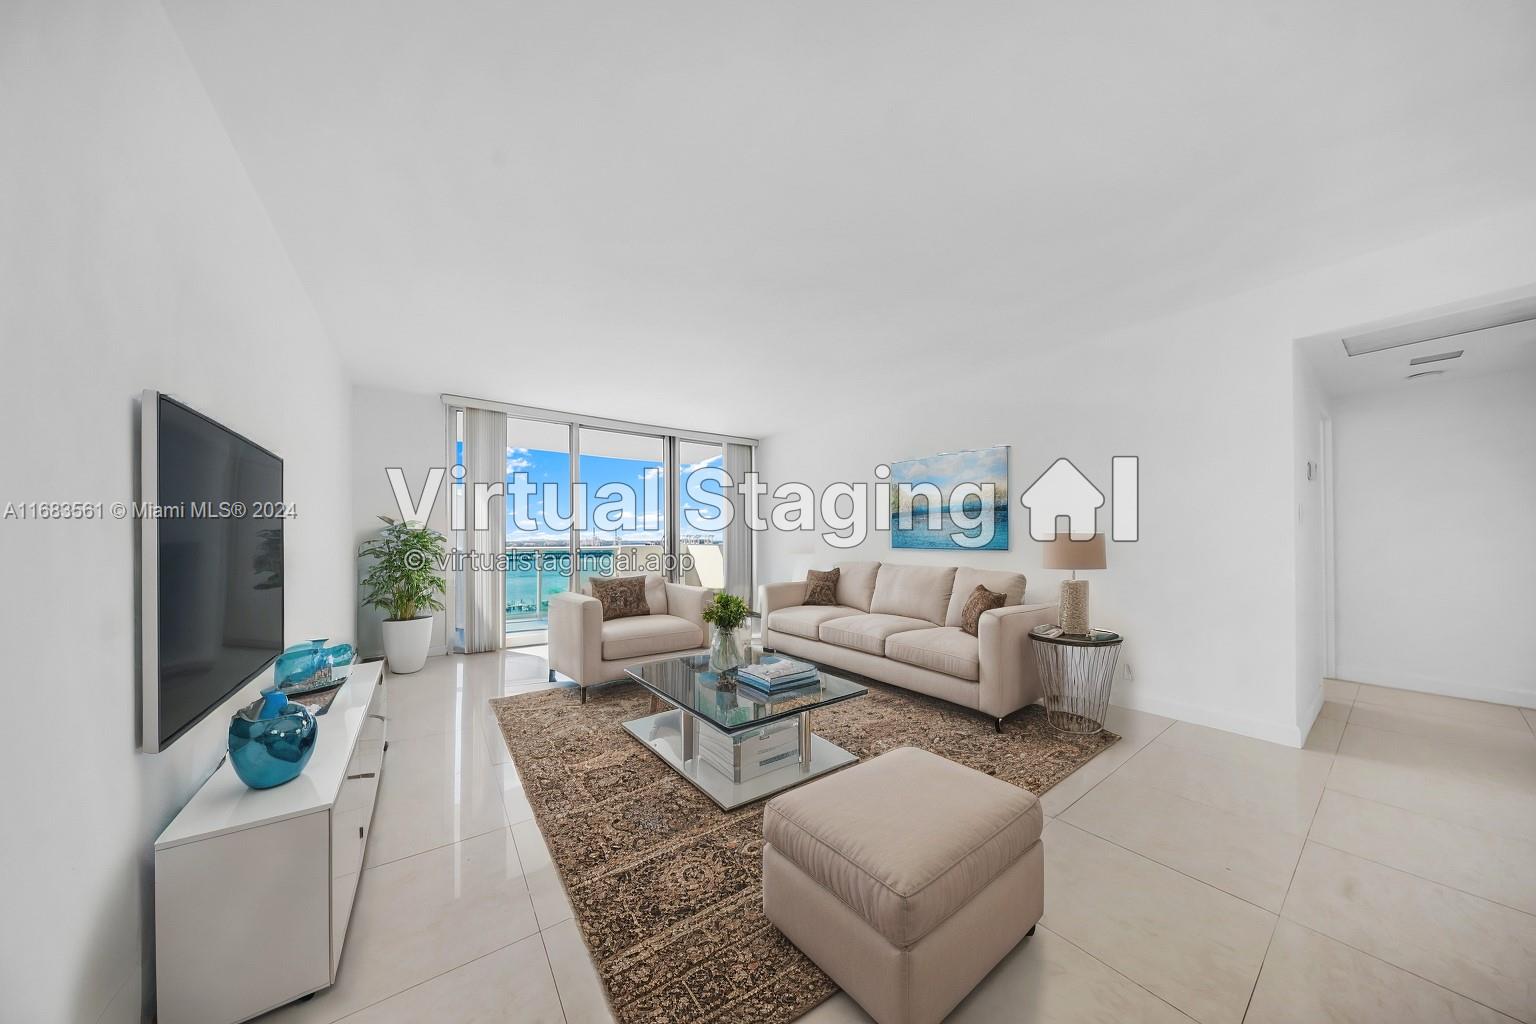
(589,650)
(900,624)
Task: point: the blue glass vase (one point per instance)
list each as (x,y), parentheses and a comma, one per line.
(340,655)
(299,664)
(271,740)
(309,665)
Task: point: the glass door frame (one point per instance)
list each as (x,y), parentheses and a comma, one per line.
(574,422)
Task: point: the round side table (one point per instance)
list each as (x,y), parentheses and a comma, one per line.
(1076,671)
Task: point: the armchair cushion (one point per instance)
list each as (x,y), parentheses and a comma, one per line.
(686,602)
(947,649)
(805,620)
(641,635)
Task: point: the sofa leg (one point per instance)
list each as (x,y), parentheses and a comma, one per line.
(997,724)
(1030,932)
(551,675)
(583,694)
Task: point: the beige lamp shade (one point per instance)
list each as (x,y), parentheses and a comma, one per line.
(1066,553)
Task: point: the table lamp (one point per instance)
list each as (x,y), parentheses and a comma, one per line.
(1067,552)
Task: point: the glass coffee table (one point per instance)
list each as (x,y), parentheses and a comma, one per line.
(735,743)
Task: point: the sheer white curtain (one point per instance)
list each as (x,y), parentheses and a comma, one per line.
(485,461)
(738,538)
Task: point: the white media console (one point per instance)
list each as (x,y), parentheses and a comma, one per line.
(254,888)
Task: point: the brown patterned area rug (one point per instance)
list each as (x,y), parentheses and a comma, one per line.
(667,888)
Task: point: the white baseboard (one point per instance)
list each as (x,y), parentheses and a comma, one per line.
(1285,733)
(1396,680)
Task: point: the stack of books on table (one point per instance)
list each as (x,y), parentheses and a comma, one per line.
(746,756)
(775,673)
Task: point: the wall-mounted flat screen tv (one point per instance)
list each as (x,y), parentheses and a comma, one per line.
(211,565)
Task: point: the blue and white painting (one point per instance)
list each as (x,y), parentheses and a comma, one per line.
(966,520)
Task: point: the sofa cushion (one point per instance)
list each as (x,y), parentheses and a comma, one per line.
(856,584)
(947,649)
(805,620)
(867,633)
(916,591)
(1009,584)
(641,635)
(903,840)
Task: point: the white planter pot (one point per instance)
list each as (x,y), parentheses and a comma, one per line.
(406,643)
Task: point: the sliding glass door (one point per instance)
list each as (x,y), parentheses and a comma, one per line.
(700,532)
(650,499)
(625,479)
(539,529)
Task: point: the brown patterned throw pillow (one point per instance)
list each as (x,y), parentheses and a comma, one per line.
(981,600)
(622,596)
(821,587)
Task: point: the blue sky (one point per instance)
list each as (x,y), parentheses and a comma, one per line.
(554,467)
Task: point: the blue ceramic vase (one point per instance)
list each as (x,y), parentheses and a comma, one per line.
(271,740)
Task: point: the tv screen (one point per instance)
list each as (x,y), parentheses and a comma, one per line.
(213,561)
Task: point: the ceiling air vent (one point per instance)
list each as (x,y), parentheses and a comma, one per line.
(1424,373)
(1421,360)
(1448,326)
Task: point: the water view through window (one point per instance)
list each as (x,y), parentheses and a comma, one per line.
(539,547)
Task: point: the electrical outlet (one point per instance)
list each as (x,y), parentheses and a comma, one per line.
(1128,672)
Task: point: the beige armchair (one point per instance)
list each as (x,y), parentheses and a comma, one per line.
(589,650)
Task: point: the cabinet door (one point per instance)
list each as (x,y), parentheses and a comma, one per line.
(351,818)
(240,922)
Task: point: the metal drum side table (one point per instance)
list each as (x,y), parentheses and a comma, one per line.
(1076,672)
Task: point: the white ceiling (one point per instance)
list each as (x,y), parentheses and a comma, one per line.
(576,204)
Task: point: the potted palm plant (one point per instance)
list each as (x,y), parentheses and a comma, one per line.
(404,583)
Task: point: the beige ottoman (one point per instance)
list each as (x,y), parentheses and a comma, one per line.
(906,878)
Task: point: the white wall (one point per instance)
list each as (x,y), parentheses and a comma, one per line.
(394,428)
(1208,598)
(1436,485)
(134,254)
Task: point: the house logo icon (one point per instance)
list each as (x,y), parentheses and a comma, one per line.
(1064,491)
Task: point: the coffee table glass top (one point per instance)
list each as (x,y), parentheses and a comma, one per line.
(689,684)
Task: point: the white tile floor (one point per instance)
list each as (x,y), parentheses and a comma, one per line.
(1387,872)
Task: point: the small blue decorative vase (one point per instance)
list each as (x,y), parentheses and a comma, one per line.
(270,740)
